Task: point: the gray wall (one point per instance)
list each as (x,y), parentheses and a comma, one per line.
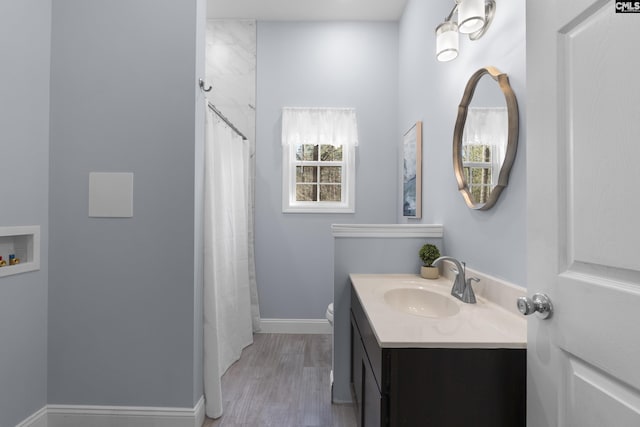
(320,65)
(493,241)
(123,292)
(198,228)
(25,28)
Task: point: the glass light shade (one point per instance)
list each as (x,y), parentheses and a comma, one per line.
(471,16)
(447,41)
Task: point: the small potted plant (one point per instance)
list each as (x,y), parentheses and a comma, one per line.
(429,253)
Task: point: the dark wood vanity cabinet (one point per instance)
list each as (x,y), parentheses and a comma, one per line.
(434,387)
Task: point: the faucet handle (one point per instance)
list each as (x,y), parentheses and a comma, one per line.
(468,295)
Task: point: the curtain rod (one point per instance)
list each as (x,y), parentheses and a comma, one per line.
(227,121)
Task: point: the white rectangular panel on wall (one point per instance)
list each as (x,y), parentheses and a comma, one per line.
(111,194)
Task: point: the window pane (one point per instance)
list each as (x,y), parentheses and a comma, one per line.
(307,152)
(330,193)
(478,176)
(329,153)
(476,192)
(331,174)
(306,193)
(476,153)
(479,183)
(306,174)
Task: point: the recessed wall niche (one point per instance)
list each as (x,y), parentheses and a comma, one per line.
(24,243)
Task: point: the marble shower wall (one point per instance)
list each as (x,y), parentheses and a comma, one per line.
(231,70)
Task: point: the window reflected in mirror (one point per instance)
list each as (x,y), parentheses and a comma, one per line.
(476,162)
(484,142)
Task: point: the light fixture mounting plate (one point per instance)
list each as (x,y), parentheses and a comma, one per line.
(489,12)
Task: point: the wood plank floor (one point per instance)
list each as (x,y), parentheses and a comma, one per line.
(282,380)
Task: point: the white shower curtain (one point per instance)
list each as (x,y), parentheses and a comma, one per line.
(228,291)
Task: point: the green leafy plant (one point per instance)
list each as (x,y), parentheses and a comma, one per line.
(429,253)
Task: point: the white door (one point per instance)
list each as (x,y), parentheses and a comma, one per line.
(583,185)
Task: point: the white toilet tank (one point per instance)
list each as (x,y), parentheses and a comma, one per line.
(330,314)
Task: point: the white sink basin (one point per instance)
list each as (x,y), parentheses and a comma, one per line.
(421,302)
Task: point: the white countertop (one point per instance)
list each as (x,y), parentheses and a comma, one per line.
(481,325)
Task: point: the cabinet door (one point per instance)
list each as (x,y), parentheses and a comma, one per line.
(357,367)
(371,400)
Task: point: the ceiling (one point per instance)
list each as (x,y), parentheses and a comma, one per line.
(306,10)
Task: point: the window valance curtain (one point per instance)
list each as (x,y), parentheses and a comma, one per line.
(316,126)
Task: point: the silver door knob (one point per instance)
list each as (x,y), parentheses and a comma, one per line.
(539,303)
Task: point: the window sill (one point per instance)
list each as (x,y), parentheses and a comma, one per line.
(317,209)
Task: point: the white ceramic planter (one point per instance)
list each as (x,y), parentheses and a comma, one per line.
(429,272)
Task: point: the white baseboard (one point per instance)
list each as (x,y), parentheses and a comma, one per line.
(38,419)
(123,416)
(295,326)
(199,412)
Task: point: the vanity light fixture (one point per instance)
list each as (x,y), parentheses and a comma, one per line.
(473,18)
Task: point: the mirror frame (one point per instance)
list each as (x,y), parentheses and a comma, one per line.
(512,139)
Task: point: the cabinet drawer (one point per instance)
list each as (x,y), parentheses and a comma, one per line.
(373,351)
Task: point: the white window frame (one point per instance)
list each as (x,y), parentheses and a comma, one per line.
(348,187)
(480,165)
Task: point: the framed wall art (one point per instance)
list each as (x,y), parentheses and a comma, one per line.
(412,172)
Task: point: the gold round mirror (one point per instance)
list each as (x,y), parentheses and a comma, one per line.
(485,138)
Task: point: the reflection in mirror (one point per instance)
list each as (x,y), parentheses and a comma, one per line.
(485,138)
(484,144)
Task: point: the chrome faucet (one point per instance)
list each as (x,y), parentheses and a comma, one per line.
(462,288)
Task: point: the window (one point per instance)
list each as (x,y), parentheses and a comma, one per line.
(318,159)
(478,168)
(484,141)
